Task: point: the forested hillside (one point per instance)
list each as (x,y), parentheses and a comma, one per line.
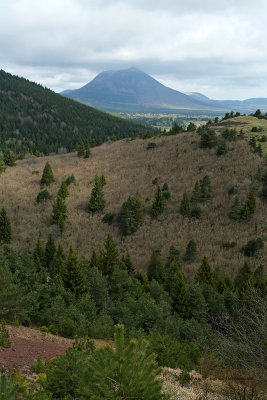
(35,119)
(166,236)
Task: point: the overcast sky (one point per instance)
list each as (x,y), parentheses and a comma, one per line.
(216,47)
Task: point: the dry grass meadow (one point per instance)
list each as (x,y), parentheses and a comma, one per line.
(128,166)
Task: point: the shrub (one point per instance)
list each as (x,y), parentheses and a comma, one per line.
(151,145)
(4,336)
(221,149)
(184,377)
(196,212)
(43,196)
(70,179)
(108,218)
(253,247)
(228,245)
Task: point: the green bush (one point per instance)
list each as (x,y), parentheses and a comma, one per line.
(253,247)
(184,377)
(196,212)
(43,195)
(70,179)
(4,336)
(151,145)
(108,218)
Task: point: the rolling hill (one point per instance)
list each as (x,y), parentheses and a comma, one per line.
(33,118)
(136,165)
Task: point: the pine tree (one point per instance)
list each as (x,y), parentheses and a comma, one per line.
(158,203)
(236,209)
(180,294)
(39,255)
(170,270)
(205,273)
(109,257)
(126,372)
(9,158)
(155,268)
(191,251)
(251,200)
(63,190)
(244,278)
(205,189)
(131,216)
(81,149)
(87,151)
(73,276)
(47,177)
(5,228)
(185,205)
(94,259)
(50,250)
(128,262)
(59,213)
(97,201)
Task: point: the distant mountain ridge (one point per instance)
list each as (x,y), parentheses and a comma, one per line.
(132,90)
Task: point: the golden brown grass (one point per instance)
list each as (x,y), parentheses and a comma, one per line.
(128,166)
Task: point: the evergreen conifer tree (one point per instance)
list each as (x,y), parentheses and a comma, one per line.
(191,251)
(170,270)
(57,266)
(244,278)
(81,149)
(59,213)
(128,262)
(158,203)
(155,268)
(126,372)
(63,190)
(205,274)
(87,151)
(180,294)
(236,209)
(47,177)
(251,200)
(97,201)
(5,228)
(9,158)
(39,255)
(73,277)
(50,250)
(109,257)
(185,205)
(94,259)
(131,216)
(205,189)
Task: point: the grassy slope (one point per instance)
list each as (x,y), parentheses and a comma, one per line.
(246,123)
(128,167)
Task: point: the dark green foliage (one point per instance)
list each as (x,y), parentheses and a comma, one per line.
(97,202)
(260,280)
(191,127)
(205,273)
(109,257)
(191,251)
(109,218)
(228,245)
(244,278)
(35,119)
(50,250)
(158,203)
(221,149)
(236,209)
(124,372)
(195,198)
(155,268)
(208,138)
(128,262)
(176,129)
(9,386)
(185,205)
(196,212)
(47,177)
(80,149)
(184,377)
(151,145)
(179,293)
(174,254)
(2,165)
(63,191)
(253,247)
(87,151)
(70,179)
(251,200)
(5,228)
(59,213)
(9,158)
(4,336)
(73,276)
(131,215)
(205,189)
(43,196)
(230,134)
(39,255)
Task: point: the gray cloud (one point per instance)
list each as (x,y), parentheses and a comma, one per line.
(215,47)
